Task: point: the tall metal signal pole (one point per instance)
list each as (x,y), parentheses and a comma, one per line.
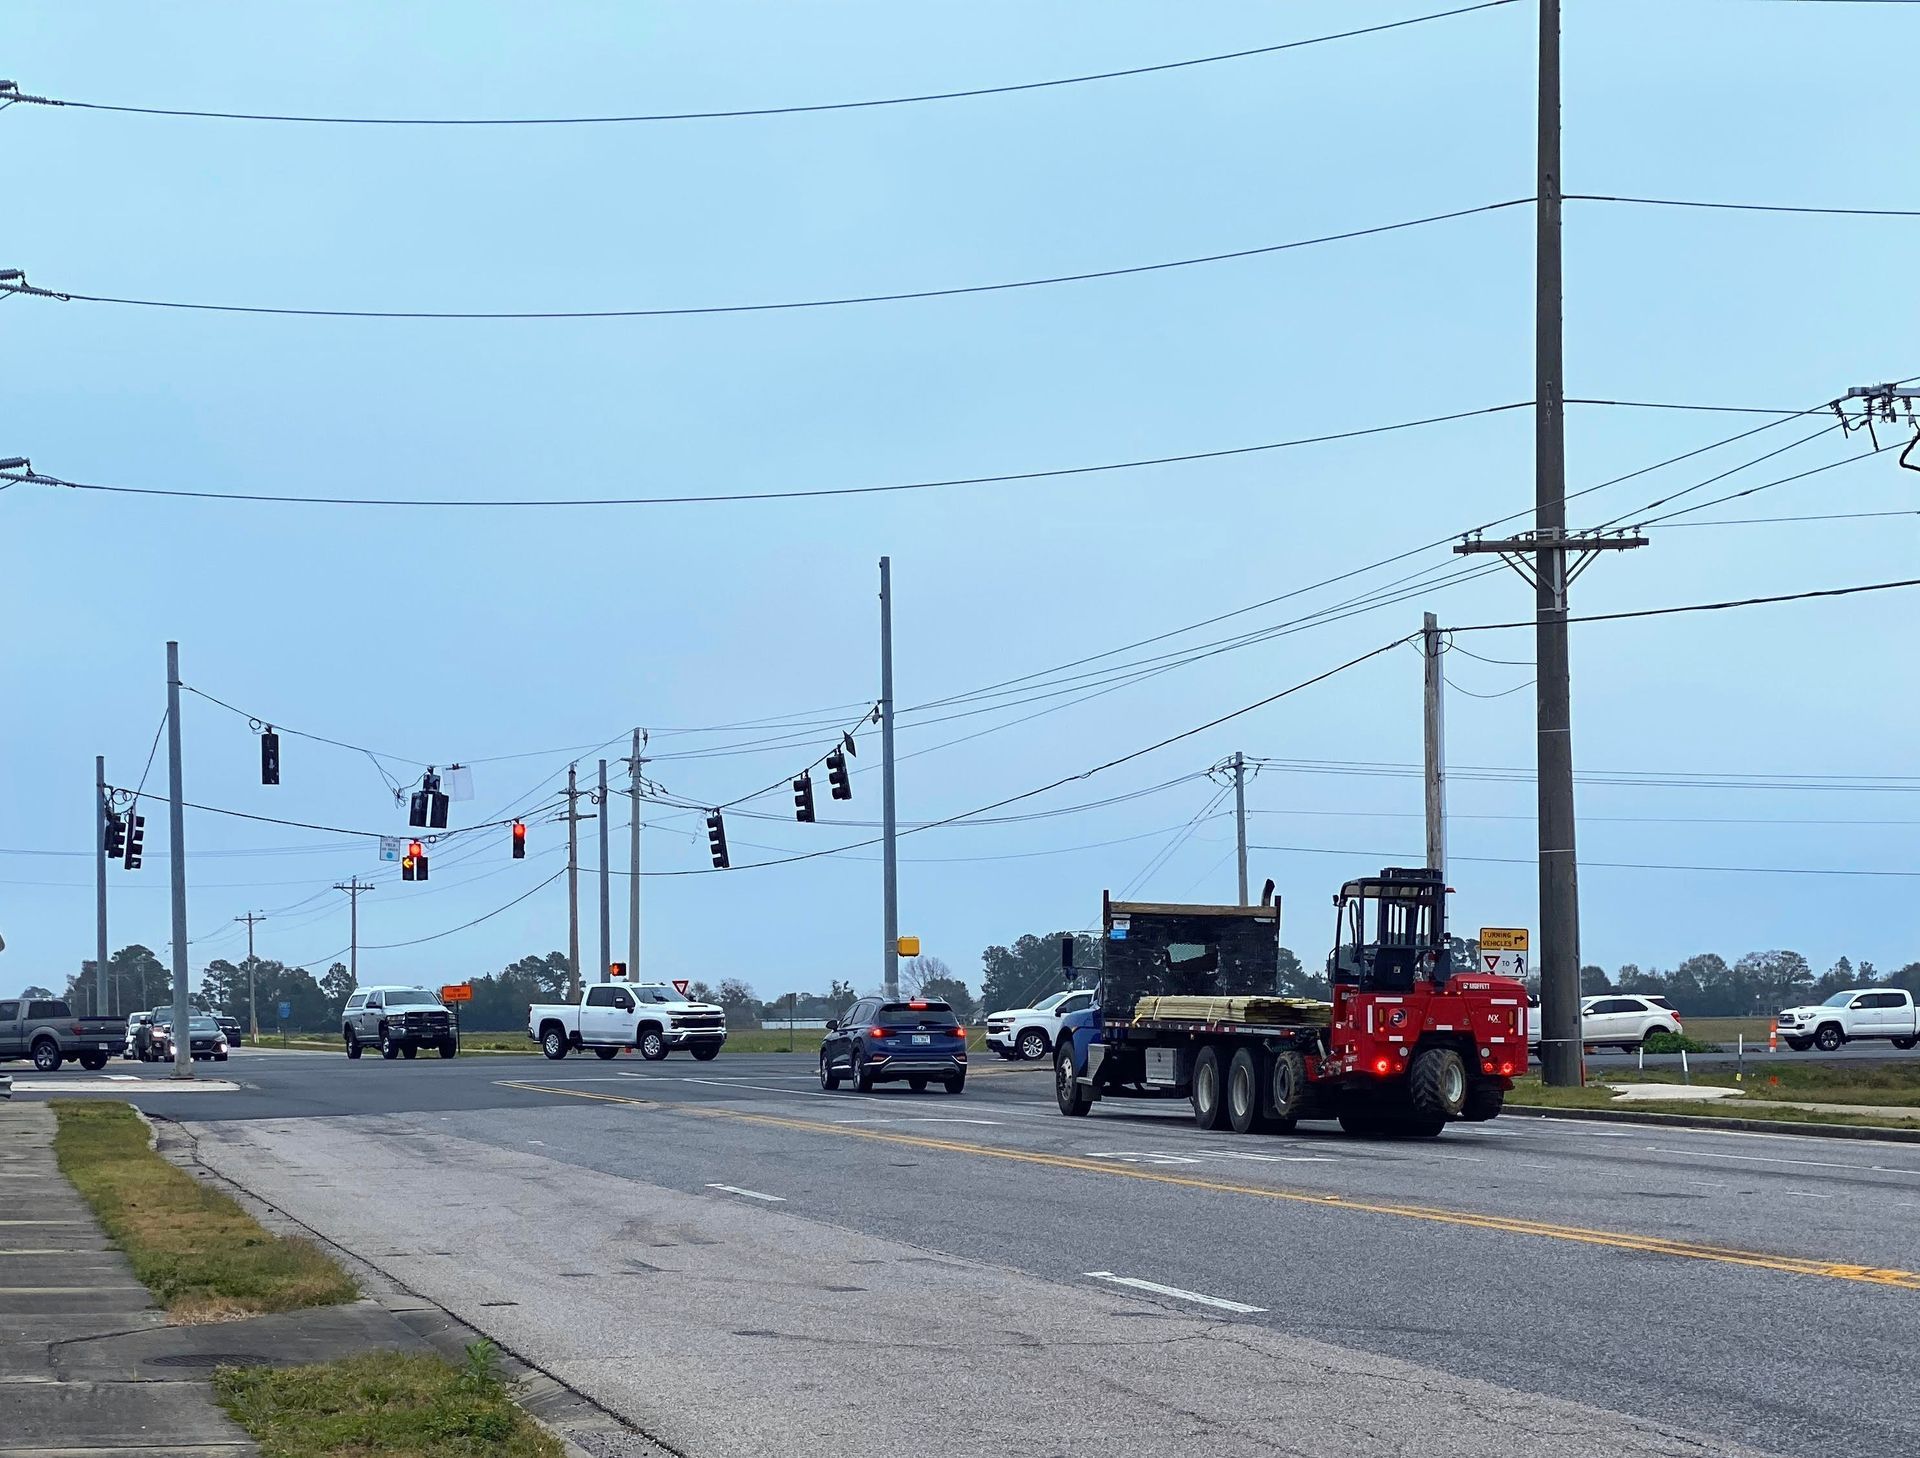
(634,761)
(1540,556)
(102,985)
(355,889)
(889,867)
(253,1008)
(177,872)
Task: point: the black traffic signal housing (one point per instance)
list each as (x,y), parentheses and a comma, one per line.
(269,757)
(803,798)
(428,808)
(413,865)
(519,840)
(116,836)
(837,775)
(136,840)
(717,840)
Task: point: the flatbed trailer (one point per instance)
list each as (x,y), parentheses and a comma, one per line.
(1406,1046)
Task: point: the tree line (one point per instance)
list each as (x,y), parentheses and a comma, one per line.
(1017,975)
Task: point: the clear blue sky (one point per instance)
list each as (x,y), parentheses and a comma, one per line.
(456,635)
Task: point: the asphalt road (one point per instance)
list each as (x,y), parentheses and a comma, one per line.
(740,1263)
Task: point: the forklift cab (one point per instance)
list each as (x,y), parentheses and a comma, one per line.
(1390,931)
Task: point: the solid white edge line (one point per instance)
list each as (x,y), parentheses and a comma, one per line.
(1219,1302)
(750,1194)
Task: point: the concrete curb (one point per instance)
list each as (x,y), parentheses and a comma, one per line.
(560,1410)
(1715,1121)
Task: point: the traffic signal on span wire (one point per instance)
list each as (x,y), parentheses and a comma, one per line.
(519,840)
(136,839)
(116,833)
(803,798)
(837,775)
(413,865)
(717,840)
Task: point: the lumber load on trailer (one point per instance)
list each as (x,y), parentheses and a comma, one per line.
(1247,1009)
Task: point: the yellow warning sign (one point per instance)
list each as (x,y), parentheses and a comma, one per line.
(1503,939)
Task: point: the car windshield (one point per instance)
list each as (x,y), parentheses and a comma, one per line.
(411,997)
(1048,1003)
(202,1025)
(657,994)
(1839,999)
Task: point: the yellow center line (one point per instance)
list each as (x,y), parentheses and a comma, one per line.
(1506,1224)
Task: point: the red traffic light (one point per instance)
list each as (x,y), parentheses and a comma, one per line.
(519,840)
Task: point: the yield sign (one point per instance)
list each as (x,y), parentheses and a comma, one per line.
(680,985)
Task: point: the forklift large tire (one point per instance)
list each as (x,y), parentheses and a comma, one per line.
(1209,1090)
(1074,1100)
(1437,1083)
(1286,1087)
(1245,1095)
(1484,1102)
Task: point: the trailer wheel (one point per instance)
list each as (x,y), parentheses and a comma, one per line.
(1245,1095)
(1286,1087)
(1437,1083)
(1074,1101)
(1209,1105)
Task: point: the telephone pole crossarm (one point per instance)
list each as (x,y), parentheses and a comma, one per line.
(1524,551)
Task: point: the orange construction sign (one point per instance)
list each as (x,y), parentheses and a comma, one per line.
(457,992)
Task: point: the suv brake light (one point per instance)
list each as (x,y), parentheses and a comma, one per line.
(876,1032)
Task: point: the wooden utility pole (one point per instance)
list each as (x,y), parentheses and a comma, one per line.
(253,1008)
(355,889)
(1436,742)
(1541,557)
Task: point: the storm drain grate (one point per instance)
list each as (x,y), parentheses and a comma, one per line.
(212,1359)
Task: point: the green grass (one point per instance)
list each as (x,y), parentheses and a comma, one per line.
(382,1405)
(1895,1085)
(202,1256)
(1727,1031)
(1530,1092)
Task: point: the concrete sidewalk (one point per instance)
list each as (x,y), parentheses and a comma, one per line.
(65,1290)
(1734,1100)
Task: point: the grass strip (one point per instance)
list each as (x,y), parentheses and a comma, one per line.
(389,1404)
(202,1256)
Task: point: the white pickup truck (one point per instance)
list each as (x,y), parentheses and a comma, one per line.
(654,1017)
(1029,1032)
(1863,1012)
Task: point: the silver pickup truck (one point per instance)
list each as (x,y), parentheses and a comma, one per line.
(46,1030)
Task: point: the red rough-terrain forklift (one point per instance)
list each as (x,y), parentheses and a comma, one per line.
(1412,1043)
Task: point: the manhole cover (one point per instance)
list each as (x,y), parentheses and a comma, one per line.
(212,1359)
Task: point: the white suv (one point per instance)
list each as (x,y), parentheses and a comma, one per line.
(1614,1019)
(1029,1032)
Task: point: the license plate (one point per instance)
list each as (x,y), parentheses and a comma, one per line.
(922,1038)
(107,1046)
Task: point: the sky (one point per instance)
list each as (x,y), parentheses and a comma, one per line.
(515,640)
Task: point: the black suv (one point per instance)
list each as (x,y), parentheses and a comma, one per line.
(883,1042)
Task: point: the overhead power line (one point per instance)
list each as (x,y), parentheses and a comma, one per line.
(772,306)
(1610,865)
(756,111)
(925,485)
(1705,607)
(1739,207)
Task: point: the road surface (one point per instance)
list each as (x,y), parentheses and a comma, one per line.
(737,1262)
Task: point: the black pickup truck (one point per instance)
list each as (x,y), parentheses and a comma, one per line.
(45,1030)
